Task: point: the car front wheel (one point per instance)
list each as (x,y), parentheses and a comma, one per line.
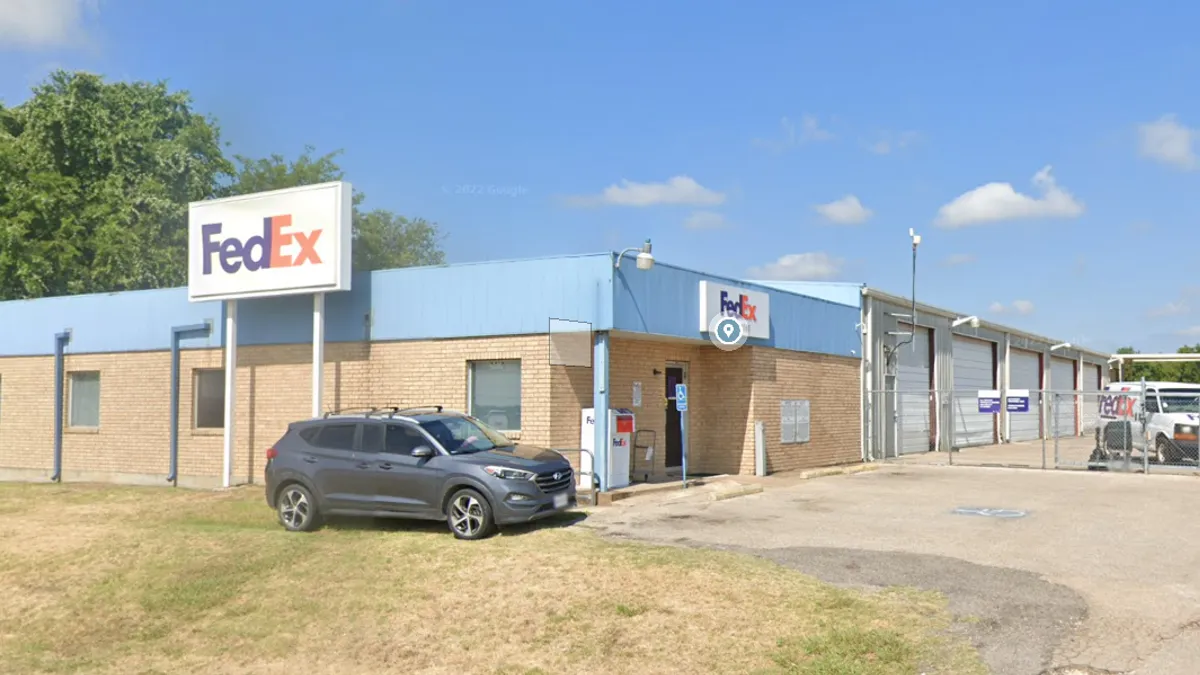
(297,509)
(469,515)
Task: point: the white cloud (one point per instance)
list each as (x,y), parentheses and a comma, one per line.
(892,142)
(1022,307)
(956,259)
(679,190)
(845,211)
(799,267)
(704,220)
(1166,140)
(1189,332)
(810,132)
(43,24)
(995,202)
(1169,309)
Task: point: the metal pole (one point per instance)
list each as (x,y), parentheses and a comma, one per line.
(1041,424)
(318,353)
(1054,425)
(1145,436)
(231,307)
(61,340)
(683,435)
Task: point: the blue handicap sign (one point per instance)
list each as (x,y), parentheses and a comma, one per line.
(681,404)
(681,392)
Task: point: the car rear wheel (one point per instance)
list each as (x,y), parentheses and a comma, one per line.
(469,515)
(297,509)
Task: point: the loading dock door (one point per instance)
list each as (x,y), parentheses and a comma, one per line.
(1089,402)
(913,379)
(974,369)
(1025,372)
(1062,383)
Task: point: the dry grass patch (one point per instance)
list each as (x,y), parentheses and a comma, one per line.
(207,582)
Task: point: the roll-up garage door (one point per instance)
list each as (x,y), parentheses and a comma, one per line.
(1089,401)
(1062,383)
(913,378)
(1025,372)
(974,369)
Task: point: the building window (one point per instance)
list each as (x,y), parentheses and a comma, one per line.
(84,405)
(495,393)
(209,398)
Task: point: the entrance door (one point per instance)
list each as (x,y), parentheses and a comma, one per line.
(674,446)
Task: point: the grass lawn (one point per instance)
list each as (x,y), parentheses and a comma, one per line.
(121,580)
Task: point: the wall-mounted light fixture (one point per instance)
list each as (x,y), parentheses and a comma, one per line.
(645,259)
(1061,345)
(972,321)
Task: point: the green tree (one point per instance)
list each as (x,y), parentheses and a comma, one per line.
(95,179)
(382,239)
(1162,372)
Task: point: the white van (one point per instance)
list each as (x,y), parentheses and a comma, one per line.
(1169,418)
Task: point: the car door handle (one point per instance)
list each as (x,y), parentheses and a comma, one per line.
(386,466)
(310,459)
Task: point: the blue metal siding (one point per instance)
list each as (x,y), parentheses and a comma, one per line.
(666,301)
(841,292)
(494,298)
(108,322)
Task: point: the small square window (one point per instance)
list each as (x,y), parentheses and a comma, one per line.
(209,399)
(495,393)
(84,400)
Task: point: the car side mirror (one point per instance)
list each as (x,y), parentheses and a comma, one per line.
(422,452)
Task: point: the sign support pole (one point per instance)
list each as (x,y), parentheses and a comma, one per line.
(683,435)
(231,341)
(318,347)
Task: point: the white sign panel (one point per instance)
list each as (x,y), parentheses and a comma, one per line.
(282,242)
(752,307)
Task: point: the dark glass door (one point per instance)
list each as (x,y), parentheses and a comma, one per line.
(674,438)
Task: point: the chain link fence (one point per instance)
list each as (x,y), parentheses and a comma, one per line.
(1134,429)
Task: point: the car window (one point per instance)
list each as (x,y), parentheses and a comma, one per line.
(402,439)
(372,438)
(463,435)
(1151,403)
(336,437)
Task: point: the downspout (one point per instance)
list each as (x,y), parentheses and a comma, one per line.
(178,333)
(61,340)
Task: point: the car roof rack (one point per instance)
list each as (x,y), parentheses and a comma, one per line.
(389,410)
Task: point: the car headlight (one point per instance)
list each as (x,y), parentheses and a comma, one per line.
(509,474)
(1186,430)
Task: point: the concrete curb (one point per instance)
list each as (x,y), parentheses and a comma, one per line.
(838,471)
(737,491)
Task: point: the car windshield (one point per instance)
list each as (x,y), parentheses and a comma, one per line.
(461,435)
(1180,401)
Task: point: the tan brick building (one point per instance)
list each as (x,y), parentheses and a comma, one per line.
(461,347)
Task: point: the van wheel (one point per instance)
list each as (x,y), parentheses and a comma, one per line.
(470,516)
(1164,451)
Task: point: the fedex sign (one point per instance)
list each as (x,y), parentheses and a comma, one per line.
(751,307)
(281,242)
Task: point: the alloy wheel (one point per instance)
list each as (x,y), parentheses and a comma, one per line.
(466,515)
(294,509)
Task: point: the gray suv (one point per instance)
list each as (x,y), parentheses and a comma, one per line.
(421,463)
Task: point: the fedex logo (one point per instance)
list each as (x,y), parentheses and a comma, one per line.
(1120,405)
(740,308)
(261,251)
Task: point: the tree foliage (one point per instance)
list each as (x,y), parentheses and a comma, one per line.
(382,239)
(1162,372)
(95,179)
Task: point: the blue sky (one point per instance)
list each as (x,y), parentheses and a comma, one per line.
(719,129)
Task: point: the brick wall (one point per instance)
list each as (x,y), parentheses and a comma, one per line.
(831,385)
(274,386)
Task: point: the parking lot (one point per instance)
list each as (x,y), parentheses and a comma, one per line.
(1084,569)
